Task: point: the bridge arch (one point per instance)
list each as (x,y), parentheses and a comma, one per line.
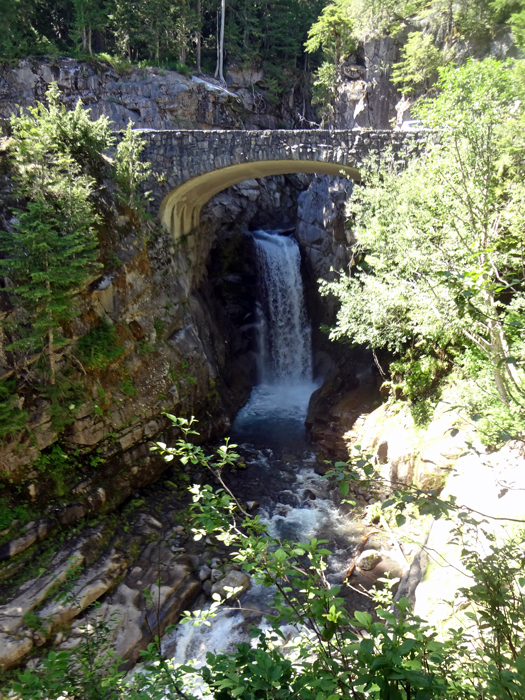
(180,209)
(189,167)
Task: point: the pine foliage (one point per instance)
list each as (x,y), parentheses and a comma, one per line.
(52,249)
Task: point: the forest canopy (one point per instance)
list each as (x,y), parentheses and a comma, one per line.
(164,32)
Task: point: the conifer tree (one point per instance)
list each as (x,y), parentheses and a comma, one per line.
(52,249)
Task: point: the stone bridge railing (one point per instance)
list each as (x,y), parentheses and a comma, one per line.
(190,167)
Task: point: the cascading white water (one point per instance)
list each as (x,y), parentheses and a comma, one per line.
(277,407)
(285,342)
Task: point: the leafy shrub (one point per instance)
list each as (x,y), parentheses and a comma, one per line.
(8,513)
(335,653)
(182,68)
(417,377)
(56,465)
(160,328)
(472,389)
(12,418)
(120,64)
(66,396)
(127,387)
(130,170)
(100,347)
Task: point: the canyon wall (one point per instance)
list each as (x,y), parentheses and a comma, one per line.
(151,98)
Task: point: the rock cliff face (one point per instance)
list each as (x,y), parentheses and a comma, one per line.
(366,97)
(149,97)
(350,384)
(183,316)
(180,316)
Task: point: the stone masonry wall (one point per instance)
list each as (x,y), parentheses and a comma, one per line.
(178,156)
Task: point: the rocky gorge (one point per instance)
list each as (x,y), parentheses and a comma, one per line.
(181,318)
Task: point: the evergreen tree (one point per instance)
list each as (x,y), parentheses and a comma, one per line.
(130,171)
(52,250)
(333,35)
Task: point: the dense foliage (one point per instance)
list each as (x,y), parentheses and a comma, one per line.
(48,255)
(429,32)
(438,263)
(174,33)
(53,248)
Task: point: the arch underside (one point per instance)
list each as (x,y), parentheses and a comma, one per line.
(180,209)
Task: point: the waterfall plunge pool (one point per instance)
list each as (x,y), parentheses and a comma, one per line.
(294,500)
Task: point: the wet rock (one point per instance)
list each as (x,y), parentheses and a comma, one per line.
(204,573)
(368,559)
(72,514)
(215,563)
(38,531)
(251,505)
(91,585)
(82,486)
(12,649)
(288,498)
(137,618)
(321,225)
(215,575)
(234,579)
(148,524)
(336,407)
(206,587)
(31,594)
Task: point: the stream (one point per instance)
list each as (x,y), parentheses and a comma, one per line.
(295,501)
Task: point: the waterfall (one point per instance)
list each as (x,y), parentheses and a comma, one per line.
(285,353)
(277,408)
(294,501)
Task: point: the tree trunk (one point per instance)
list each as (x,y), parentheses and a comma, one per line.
(50,332)
(221,42)
(218,49)
(52,364)
(498,345)
(89,40)
(500,385)
(198,37)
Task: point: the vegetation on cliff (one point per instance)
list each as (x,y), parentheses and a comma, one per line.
(438,267)
(52,249)
(430,34)
(49,254)
(181,34)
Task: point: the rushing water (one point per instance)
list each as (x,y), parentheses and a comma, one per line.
(275,413)
(281,476)
(285,339)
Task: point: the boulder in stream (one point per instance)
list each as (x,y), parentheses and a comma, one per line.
(235,580)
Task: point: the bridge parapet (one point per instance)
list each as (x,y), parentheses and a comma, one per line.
(189,167)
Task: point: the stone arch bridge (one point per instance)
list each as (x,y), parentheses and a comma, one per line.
(189,167)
